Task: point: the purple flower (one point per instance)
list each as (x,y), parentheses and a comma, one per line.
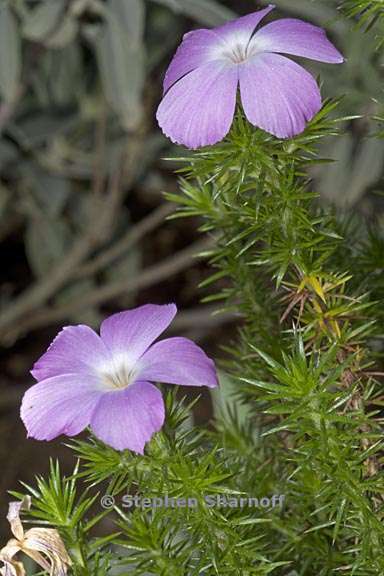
(105,381)
(278,95)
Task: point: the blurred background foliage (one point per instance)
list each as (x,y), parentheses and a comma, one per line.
(82,213)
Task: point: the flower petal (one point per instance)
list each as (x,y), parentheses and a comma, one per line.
(60,405)
(76,349)
(129,334)
(298,38)
(178,361)
(277,94)
(241,30)
(202,46)
(128,418)
(195,50)
(13,516)
(46,547)
(11,567)
(198,110)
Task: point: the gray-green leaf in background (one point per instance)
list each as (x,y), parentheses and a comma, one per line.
(354,170)
(41,21)
(60,75)
(65,33)
(8,153)
(208,12)
(91,315)
(46,242)
(4,199)
(50,192)
(318,12)
(224,399)
(10,53)
(120,54)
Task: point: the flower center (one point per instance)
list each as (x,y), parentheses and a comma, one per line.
(120,378)
(238,54)
(237,49)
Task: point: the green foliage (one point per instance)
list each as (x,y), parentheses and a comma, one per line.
(305,359)
(181,462)
(304,418)
(368,12)
(56,503)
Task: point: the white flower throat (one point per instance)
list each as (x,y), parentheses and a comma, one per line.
(120,378)
(238,50)
(239,53)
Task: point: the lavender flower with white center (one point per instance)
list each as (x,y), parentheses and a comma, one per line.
(278,95)
(105,381)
